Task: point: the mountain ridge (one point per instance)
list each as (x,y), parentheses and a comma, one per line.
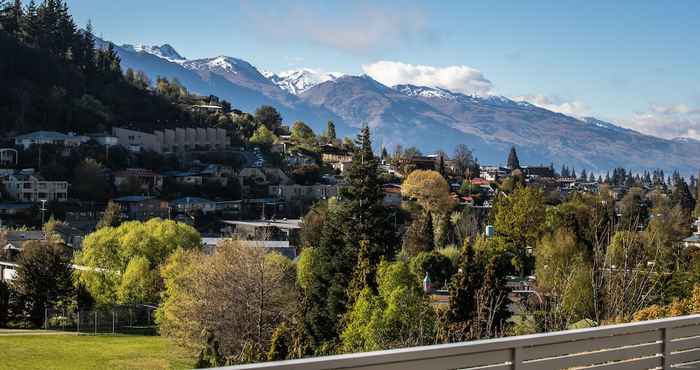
(427,117)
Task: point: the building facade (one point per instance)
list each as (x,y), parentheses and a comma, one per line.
(30,187)
(176,140)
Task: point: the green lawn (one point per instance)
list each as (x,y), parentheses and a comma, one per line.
(90,352)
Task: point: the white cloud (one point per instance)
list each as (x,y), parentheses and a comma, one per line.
(556,104)
(667,121)
(463,79)
(359,28)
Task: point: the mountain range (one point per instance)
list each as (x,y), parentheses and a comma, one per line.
(426,117)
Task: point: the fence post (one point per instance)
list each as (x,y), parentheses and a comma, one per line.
(666,345)
(113,322)
(517,358)
(95,322)
(78,321)
(46,318)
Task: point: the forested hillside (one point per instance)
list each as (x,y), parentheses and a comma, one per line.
(53,78)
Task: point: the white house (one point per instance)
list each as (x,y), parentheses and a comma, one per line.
(26,186)
(48,137)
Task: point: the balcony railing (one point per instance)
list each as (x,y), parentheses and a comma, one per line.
(666,343)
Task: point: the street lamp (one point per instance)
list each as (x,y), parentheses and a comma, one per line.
(43,210)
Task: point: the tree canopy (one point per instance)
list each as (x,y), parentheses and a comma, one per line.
(122,263)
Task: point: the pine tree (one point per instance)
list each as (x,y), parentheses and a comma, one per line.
(369,219)
(330,132)
(429,231)
(513,161)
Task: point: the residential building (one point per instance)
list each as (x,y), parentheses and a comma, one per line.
(8,157)
(493,173)
(392,195)
(191,204)
(149,180)
(207,108)
(137,207)
(175,140)
(49,137)
(332,154)
(280,246)
(297,192)
(693,241)
(185,177)
(538,171)
(104,139)
(418,162)
(28,186)
(270,230)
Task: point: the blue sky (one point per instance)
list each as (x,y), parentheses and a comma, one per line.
(635,63)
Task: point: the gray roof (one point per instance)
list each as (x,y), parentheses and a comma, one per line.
(695,238)
(52,135)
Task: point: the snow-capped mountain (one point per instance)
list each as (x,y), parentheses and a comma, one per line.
(299,80)
(426,117)
(165,51)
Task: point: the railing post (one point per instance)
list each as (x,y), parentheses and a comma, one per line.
(78,322)
(666,345)
(517,357)
(112,322)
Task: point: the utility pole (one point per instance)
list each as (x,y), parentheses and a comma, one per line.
(43,210)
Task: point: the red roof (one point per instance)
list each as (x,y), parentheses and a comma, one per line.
(480,181)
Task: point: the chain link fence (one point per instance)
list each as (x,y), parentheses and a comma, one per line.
(133,319)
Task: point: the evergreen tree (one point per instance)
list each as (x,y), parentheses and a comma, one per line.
(429,232)
(681,196)
(513,161)
(369,219)
(329,134)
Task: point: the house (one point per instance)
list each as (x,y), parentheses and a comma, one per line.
(332,154)
(8,157)
(269,230)
(104,139)
(28,186)
(207,108)
(297,192)
(419,162)
(298,158)
(493,173)
(15,209)
(693,241)
(191,204)
(392,195)
(13,242)
(149,180)
(175,140)
(538,171)
(49,137)
(138,207)
(184,177)
(279,246)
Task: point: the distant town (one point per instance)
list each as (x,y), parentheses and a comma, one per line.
(147,226)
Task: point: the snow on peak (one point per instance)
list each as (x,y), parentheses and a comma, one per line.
(165,51)
(425,92)
(297,81)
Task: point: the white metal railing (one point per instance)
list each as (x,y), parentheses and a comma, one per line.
(665,343)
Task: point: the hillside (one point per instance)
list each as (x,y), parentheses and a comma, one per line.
(43,91)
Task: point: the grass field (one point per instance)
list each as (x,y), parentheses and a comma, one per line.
(90,352)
